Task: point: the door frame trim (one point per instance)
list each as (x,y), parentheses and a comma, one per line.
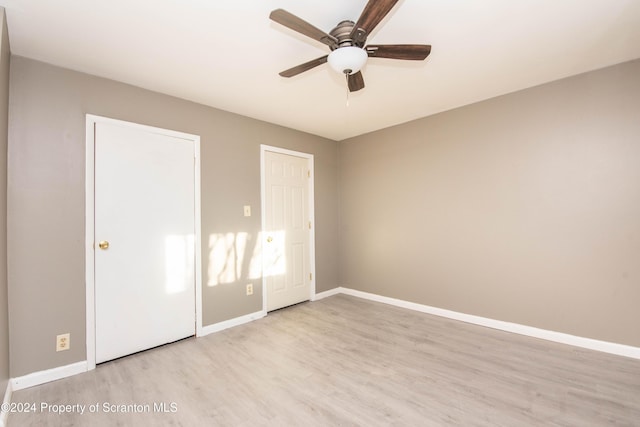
(91,121)
(312,239)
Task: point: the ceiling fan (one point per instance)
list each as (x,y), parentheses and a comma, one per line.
(347,43)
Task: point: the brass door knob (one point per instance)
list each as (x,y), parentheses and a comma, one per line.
(103,245)
(269,239)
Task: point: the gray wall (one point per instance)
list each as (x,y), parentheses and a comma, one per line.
(4,111)
(523,208)
(46,199)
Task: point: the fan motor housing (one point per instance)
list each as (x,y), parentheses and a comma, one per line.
(342,32)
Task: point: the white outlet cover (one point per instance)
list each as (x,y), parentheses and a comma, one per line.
(63,342)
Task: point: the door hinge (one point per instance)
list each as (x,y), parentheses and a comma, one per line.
(310,276)
(309,174)
(309,225)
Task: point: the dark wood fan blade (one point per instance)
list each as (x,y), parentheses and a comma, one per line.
(373,13)
(355,82)
(291,21)
(304,67)
(414,52)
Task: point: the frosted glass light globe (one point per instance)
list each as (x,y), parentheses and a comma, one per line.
(348,59)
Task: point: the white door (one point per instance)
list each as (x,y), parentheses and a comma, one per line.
(287,230)
(144,212)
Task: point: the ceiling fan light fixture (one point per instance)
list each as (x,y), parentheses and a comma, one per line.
(348,59)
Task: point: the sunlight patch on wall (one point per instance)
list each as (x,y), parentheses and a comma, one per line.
(229,252)
(255,266)
(226,254)
(227,258)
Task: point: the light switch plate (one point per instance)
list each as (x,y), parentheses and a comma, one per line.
(247,210)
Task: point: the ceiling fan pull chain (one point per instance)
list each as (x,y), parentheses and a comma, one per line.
(347,86)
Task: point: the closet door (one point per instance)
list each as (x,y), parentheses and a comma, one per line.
(144,239)
(287,255)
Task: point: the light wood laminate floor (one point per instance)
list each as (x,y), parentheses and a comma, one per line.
(347,361)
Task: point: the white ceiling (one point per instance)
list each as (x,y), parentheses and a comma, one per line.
(227,53)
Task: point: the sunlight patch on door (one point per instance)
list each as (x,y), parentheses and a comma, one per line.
(179,262)
(275,260)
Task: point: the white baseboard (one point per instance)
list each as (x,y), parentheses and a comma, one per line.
(220,326)
(326,294)
(7,401)
(559,337)
(41,377)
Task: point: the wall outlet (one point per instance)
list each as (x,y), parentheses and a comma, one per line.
(250,289)
(63,342)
